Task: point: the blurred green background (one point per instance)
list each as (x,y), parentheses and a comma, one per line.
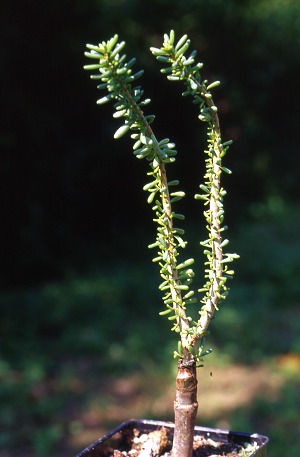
(81,343)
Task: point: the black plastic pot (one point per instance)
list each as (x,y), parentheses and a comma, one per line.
(118,438)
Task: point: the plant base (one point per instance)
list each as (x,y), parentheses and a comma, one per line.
(120,439)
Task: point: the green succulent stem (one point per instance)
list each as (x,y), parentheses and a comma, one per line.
(181,68)
(118,80)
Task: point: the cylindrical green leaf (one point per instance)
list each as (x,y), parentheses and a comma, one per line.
(158,52)
(92,67)
(105,99)
(163,313)
(121,131)
(185,264)
(112,42)
(178,216)
(214,84)
(177,194)
(117,49)
(92,55)
(181,42)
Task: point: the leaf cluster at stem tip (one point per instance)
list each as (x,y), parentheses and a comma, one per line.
(119,81)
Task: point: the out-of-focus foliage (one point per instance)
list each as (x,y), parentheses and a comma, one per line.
(59,341)
(56,151)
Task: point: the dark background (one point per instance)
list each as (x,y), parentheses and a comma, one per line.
(67,186)
(78,293)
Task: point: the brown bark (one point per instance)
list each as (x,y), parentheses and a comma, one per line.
(185,408)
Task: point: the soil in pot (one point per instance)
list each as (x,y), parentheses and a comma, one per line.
(154,439)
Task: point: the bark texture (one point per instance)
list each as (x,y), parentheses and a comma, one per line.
(185,408)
